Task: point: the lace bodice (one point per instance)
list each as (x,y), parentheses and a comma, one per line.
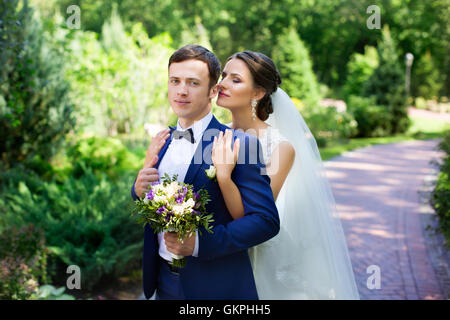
(269,141)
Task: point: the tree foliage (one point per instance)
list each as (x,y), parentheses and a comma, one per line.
(427,82)
(118,86)
(35,110)
(360,69)
(387,84)
(293,61)
(332,30)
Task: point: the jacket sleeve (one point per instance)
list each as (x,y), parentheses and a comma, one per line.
(133,193)
(260,221)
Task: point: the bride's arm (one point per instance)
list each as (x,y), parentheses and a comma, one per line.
(280,164)
(232,197)
(224,159)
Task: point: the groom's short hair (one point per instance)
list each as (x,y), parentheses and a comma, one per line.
(196,52)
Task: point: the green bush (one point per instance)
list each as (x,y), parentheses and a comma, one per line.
(16,280)
(326,122)
(420,103)
(35,109)
(103,156)
(86,221)
(372,120)
(23,262)
(441,194)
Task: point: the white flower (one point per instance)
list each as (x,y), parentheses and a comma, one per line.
(157,187)
(146,200)
(160,198)
(189,204)
(178,210)
(171,189)
(211,172)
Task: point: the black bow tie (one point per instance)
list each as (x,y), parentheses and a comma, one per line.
(188,135)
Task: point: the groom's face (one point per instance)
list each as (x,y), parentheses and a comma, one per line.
(188,90)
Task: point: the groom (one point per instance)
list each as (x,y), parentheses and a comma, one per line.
(218,265)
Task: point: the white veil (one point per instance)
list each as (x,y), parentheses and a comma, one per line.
(308,259)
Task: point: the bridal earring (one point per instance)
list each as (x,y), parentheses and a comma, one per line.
(254,103)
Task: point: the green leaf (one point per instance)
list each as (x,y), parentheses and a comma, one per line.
(58,291)
(45,291)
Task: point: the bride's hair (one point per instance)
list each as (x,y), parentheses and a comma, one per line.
(265,75)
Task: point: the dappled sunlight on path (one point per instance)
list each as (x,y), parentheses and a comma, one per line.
(376,191)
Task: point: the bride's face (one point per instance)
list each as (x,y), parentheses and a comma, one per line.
(236,87)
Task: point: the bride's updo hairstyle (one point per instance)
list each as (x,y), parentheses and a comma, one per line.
(265,75)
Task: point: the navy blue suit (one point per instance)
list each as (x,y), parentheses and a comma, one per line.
(222,269)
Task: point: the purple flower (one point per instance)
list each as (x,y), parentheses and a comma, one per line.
(196,196)
(180,199)
(182,191)
(155,183)
(161,210)
(150,194)
(168,216)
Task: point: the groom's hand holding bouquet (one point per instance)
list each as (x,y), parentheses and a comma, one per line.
(174,207)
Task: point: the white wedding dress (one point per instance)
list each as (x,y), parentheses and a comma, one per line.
(308,259)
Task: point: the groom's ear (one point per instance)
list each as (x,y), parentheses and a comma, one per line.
(213,91)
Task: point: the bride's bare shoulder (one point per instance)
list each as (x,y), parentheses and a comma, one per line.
(286,149)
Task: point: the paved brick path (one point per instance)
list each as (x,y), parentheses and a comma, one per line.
(414,112)
(376,191)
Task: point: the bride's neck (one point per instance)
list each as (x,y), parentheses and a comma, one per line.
(244,121)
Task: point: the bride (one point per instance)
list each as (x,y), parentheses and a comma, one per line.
(308,259)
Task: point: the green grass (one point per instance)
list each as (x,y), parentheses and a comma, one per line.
(421,129)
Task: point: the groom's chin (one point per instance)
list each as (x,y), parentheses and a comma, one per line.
(181,112)
(182,115)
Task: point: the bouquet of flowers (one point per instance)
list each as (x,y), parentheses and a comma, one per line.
(174,206)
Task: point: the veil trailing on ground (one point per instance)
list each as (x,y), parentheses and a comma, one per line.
(308,259)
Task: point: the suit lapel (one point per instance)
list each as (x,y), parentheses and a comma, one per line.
(163,150)
(197,159)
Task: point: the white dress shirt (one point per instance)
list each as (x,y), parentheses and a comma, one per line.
(177,160)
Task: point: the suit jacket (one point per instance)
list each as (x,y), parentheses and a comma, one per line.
(222,269)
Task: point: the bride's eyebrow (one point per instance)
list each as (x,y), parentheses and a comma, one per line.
(224,74)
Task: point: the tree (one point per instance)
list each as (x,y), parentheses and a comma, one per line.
(35,112)
(426,79)
(387,83)
(359,70)
(293,61)
(118,87)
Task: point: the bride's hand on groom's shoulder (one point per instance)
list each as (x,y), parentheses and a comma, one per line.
(223,156)
(146,176)
(155,146)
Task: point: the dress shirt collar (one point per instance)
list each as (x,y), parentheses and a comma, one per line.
(198,127)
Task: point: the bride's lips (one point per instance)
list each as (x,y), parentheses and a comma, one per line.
(221,94)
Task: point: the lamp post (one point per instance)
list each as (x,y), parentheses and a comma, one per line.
(409,57)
